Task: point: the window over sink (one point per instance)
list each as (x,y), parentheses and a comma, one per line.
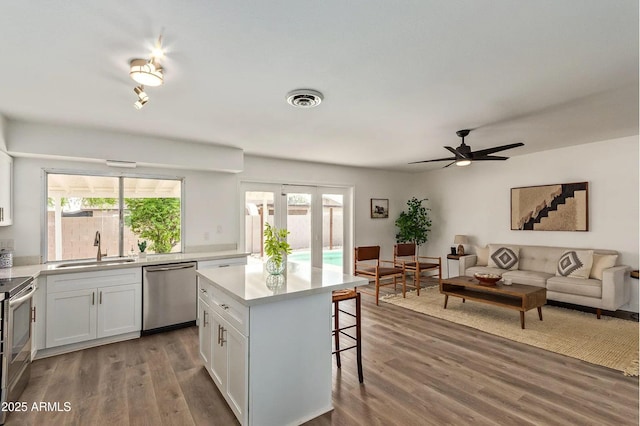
(123,209)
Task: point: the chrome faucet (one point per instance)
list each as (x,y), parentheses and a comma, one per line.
(96,243)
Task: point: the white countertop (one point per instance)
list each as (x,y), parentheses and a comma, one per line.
(252,285)
(152,259)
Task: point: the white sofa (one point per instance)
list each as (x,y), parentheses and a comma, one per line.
(538,265)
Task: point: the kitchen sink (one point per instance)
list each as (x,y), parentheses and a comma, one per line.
(86,264)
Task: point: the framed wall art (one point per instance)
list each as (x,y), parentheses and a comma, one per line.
(559,207)
(379,208)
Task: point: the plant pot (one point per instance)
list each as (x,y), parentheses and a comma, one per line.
(275,268)
(142,255)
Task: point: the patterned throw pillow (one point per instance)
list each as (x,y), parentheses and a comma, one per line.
(504,257)
(575,264)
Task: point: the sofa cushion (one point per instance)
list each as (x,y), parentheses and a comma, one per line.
(577,286)
(601,262)
(482,254)
(575,264)
(503,256)
(538,279)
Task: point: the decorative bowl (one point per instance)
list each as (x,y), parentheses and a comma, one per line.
(487,279)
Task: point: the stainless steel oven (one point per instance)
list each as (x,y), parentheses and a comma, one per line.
(17,332)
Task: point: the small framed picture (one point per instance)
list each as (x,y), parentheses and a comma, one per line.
(379,208)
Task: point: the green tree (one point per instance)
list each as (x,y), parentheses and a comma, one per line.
(101,203)
(414,224)
(156,220)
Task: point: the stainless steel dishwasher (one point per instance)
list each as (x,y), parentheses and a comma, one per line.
(168,297)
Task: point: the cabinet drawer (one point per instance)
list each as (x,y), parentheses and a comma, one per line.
(88,280)
(205,290)
(235,313)
(221,263)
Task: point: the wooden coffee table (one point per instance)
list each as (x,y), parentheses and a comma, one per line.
(519,297)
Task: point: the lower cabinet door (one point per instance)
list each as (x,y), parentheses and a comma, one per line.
(218,352)
(71,317)
(204,333)
(236,345)
(119,309)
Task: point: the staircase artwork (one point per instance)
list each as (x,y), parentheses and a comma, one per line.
(561,207)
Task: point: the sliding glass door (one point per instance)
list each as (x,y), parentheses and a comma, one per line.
(318,219)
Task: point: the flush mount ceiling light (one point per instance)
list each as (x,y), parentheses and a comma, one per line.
(146,72)
(304,98)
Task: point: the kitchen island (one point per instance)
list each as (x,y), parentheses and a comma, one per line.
(266,340)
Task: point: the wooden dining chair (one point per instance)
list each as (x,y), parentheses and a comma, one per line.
(367,263)
(406,255)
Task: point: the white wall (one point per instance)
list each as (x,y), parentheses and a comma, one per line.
(212,201)
(3,133)
(475,200)
(368,183)
(209,198)
(82,144)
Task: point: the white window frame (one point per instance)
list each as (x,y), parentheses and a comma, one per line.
(44,225)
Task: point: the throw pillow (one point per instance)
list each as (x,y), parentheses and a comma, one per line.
(503,257)
(482,254)
(575,264)
(601,262)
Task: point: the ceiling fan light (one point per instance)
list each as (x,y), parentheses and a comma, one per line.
(463,162)
(146,73)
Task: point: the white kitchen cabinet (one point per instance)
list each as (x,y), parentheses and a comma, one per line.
(224,349)
(222,263)
(37,317)
(218,366)
(204,333)
(6,189)
(91,305)
(272,358)
(234,345)
(71,317)
(119,309)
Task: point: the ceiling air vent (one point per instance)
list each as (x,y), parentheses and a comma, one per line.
(304,98)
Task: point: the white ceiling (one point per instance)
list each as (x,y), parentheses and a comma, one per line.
(399,78)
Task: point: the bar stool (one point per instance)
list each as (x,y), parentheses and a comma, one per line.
(341,296)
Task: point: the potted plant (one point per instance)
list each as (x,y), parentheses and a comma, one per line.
(142,245)
(275,247)
(414,224)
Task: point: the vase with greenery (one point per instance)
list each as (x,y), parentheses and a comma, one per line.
(276,248)
(414,224)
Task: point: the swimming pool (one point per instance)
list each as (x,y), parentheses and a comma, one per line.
(332,257)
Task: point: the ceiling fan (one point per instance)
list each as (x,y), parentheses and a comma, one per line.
(463,156)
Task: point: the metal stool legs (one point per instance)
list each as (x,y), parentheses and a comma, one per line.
(338,297)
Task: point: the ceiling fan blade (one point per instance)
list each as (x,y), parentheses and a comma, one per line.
(488,151)
(453,162)
(453,151)
(490,157)
(429,161)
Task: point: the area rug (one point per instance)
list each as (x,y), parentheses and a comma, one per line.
(610,342)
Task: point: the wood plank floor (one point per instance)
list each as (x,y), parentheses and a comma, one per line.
(418,370)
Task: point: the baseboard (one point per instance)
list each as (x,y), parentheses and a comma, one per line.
(59,350)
